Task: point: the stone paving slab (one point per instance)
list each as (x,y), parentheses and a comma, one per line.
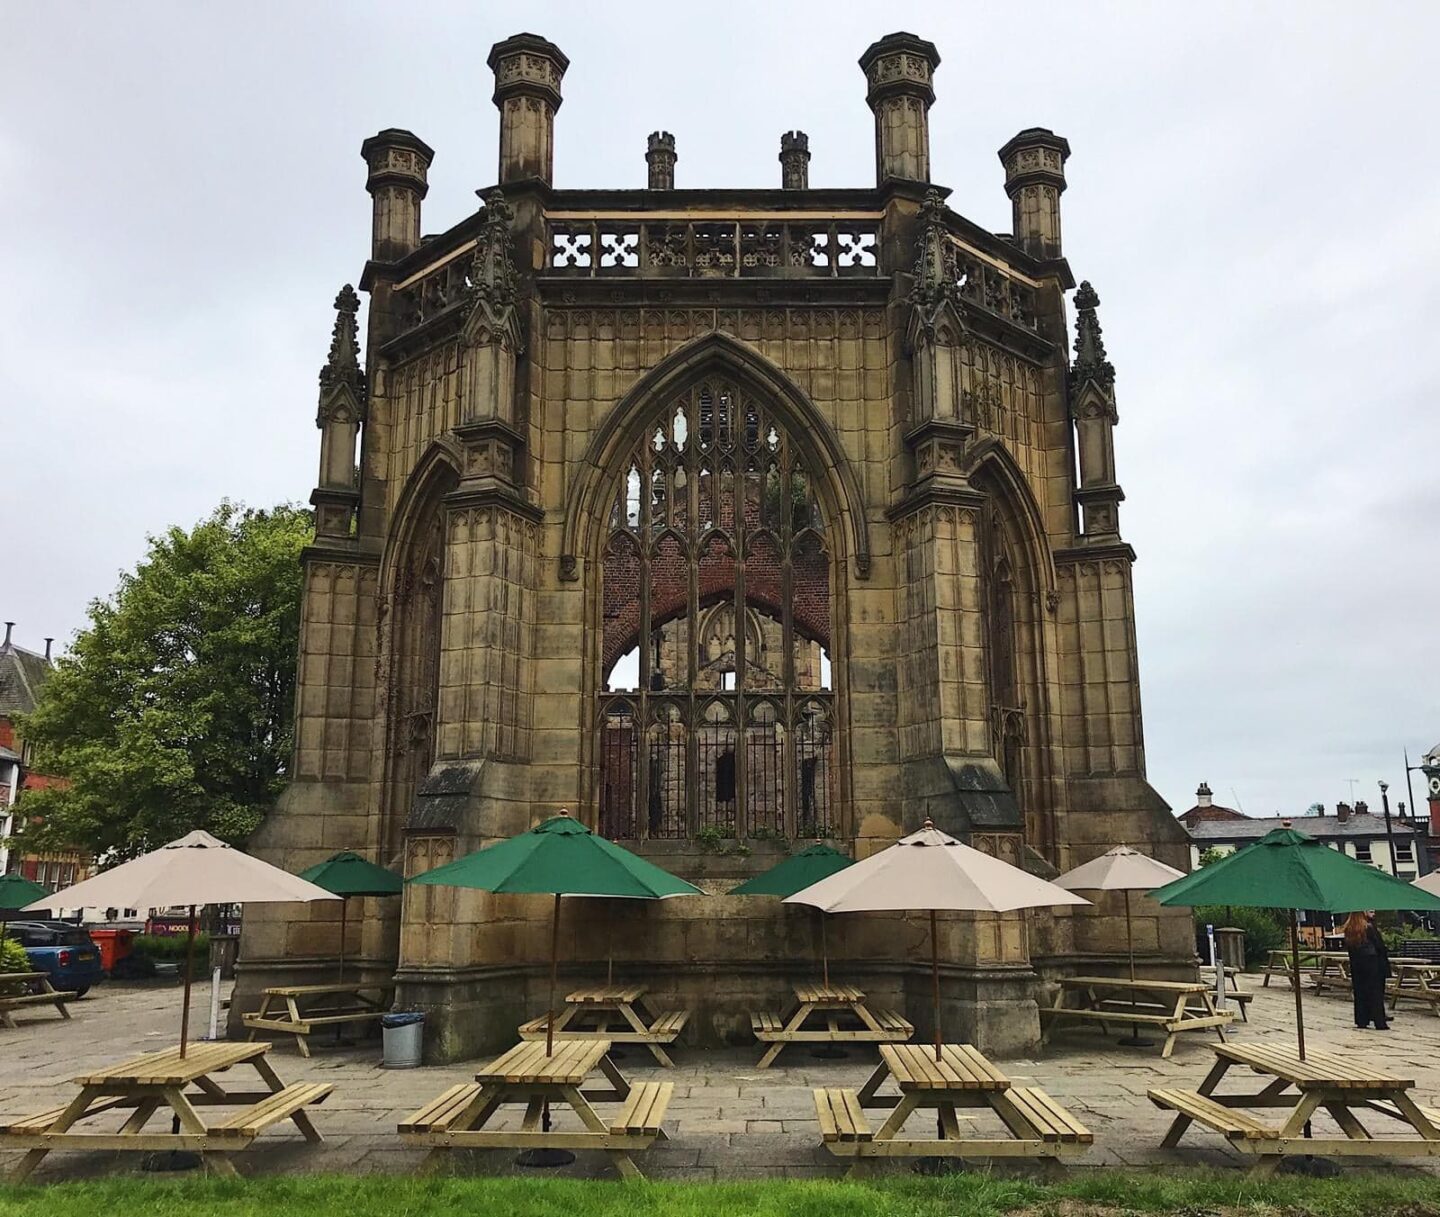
(728,1120)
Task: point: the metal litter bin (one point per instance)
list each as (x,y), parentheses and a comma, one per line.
(402,1034)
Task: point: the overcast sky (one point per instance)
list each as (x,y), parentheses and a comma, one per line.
(1254,192)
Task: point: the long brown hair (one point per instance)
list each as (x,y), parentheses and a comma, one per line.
(1355,927)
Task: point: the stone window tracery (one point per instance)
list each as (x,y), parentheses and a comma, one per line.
(716,710)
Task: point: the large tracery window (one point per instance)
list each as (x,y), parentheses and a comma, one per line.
(716,714)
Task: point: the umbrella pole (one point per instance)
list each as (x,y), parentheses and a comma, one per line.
(185,1004)
(824,952)
(1295,981)
(554,957)
(344,908)
(935,979)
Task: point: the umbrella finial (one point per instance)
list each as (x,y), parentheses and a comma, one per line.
(564,811)
(1285,823)
(929,823)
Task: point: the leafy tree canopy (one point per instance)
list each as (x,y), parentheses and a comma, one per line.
(174,709)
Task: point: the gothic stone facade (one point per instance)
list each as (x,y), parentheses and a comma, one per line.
(726,519)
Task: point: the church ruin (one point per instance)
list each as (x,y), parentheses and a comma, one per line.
(727,519)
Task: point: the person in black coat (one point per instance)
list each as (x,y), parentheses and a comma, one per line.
(1369,969)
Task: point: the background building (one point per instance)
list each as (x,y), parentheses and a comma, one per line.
(22,673)
(724,518)
(1354,831)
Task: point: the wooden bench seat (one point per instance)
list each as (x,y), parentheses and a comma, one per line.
(765,1025)
(670,1023)
(894,1023)
(1052,1121)
(643,1111)
(35,999)
(284,1104)
(841,1117)
(437,1114)
(25,1126)
(1229,1122)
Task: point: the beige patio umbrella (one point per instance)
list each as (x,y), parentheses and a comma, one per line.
(1428,883)
(1126,870)
(195,870)
(930,871)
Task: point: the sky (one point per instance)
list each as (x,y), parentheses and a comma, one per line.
(1253,191)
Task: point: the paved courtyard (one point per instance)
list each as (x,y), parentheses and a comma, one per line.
(728,1120)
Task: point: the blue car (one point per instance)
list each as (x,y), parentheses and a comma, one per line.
(65,951)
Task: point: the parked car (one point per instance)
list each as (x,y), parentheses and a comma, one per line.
(65,951)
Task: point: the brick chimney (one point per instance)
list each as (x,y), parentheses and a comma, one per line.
(1342,812)
(1361,809)
(1204,796)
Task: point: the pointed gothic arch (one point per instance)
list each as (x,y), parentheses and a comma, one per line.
(714,516)
(714,354)
(412,573)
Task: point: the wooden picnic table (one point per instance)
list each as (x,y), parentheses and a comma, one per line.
(525,1074)
(154,1080)
(616,1013)
(1171,1006)
(842,1010)
(1277,963)
(962,1078)
(1333,971)
(1340,1085)
(307,1007)
(36,991)
(1415,980)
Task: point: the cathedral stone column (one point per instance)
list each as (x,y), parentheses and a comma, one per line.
(342,396)
(528,71)
(898,71)
(1035,179)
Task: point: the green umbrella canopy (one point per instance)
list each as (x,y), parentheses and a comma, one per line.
(797,872)
(16,892)
(1286,869)
(563,858)
(348,874)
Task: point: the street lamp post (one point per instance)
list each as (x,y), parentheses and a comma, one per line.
(1389,836)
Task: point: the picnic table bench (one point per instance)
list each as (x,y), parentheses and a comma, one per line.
(1171,1006)
(1341,1085)
(1414,980)
(38,991)
(616,1013)
(306,1007)
(962,1078)
(842,1010)
(525,1074)
(146,1083)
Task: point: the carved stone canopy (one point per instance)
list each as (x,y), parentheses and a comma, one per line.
(936,276)
(494,284)
(1090,362)
(342,380)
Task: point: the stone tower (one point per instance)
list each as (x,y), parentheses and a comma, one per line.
(726,519)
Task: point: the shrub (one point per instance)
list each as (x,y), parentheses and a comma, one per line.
(1264,931)
(171,947)
(13,959)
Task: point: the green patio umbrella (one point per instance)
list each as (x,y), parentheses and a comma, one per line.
(794,874)
(15,893)
(347,874)
(1288,870)
(560,857)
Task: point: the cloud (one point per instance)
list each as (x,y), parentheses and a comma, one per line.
(1251,191)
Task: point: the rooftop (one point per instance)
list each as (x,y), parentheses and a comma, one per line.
(1246,828)
(22,673)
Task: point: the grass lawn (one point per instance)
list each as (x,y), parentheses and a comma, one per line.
(1087,1194)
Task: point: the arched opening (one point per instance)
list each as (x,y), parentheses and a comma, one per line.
(416,575)
(716,706)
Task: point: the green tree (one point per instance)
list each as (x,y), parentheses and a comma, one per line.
(1212,855)
(174,709)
